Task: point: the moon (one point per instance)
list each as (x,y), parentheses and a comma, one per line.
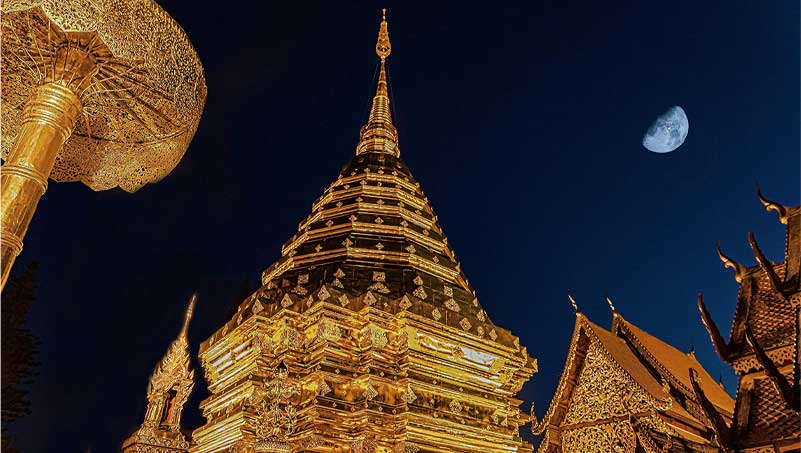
(668,132)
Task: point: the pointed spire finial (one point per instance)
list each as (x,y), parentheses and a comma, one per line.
(379,134)
(383,47)
(190,310)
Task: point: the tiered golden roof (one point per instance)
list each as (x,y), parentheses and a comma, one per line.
(625,390)
(763,346)
(385,343)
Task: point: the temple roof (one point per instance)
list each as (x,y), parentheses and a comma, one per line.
(763,344)
(763,300)
(657,368)
(674,363)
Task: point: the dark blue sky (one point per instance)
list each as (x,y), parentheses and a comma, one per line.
(523,125)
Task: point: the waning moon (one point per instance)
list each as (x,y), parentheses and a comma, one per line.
(668,132)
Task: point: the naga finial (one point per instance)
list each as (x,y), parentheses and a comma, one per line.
(739,269)
(611,305)
(383,47)
(573,302)
(190,310)
(720,345)
(773,206)
(766,265)
(719,427)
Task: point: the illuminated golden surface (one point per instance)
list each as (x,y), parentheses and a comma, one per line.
(386,346)
(167,392)
(106,92)
(47,121)
(624,390)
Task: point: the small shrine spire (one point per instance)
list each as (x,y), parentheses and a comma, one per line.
(167,392)
(379,134)
(190,310)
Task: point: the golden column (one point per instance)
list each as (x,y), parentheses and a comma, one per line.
(104,92)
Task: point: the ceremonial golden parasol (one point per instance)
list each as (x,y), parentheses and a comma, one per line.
(105,92)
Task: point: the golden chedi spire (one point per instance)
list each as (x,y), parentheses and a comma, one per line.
(168,390)
(379,134)
(376,325)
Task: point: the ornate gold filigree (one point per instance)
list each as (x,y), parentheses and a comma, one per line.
(142,104)
(615,437)
(168,389)
(386,378)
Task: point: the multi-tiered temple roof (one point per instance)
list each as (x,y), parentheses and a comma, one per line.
(763,346)
(384,343)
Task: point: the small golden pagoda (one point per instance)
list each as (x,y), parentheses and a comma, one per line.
(624,390)
(763,346)
(365,336)
(169,388)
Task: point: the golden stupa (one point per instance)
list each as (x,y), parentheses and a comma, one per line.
(365,336)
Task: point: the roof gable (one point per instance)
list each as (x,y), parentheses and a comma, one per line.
(673,365)
(590,338)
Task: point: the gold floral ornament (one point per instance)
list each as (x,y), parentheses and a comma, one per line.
(167,392)
(276,414)
(105,92)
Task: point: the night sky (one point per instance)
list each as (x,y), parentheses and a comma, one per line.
(523,124)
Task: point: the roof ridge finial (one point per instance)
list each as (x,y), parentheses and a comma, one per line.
(611,305)
(190,310)
(573,302)
(780,209)
(739,270)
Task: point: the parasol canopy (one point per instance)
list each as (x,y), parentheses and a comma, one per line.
(140,109)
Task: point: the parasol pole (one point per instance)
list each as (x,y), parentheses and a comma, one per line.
(47,122)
